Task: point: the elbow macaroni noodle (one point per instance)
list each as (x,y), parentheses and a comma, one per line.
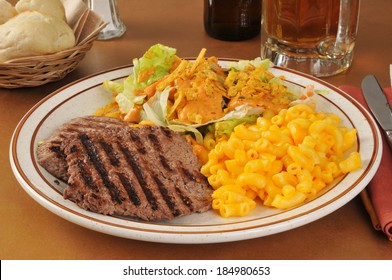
(281,160)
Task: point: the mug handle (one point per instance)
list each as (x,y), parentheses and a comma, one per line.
(338,49)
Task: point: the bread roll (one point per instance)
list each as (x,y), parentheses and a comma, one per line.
(33,33)
(7,11)
(48,7)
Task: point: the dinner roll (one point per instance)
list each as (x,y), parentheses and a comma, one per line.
(49,7)
(33,33)
(7,11)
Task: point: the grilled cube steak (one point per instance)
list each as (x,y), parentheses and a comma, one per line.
(148,172)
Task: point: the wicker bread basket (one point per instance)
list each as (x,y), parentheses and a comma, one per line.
(38,70)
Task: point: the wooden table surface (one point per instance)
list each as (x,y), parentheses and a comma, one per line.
(29,231)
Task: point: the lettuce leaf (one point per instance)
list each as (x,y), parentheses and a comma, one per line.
(187,129)
(155,109)
(153,65)
(124,94)
(112,86)
(242,64)
(226,127)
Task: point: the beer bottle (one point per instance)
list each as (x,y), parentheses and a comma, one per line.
(232,20)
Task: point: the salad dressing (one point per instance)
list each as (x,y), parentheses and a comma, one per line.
(207,106)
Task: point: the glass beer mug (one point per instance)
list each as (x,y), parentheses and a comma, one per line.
(312,36)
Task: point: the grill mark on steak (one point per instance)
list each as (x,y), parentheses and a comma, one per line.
(86,176)
(96,161)
(165,194)
(56,149)
(188,174)
(130,189)
(113,157)
(137,141)
(185,199)
(164,163)
(131,159)
(155,141)
(167,132)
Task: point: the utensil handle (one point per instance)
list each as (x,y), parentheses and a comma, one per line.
(389,138)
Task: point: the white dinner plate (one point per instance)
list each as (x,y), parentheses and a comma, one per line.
(85,96)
